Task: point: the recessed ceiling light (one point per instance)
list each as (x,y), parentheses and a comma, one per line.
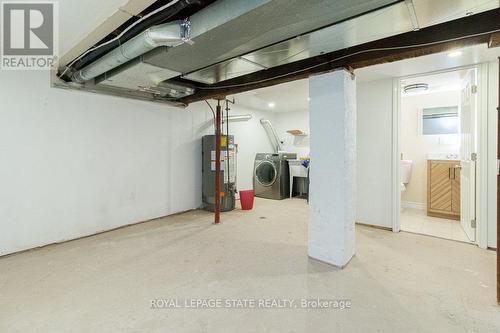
(309,98)
(271,105)
(455,54)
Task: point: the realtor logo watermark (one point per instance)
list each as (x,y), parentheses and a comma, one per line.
(29,35)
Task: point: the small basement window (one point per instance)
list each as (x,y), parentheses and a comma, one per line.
(438,121)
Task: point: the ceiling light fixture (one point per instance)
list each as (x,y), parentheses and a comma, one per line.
(416,87)
(271,105)
(455,54)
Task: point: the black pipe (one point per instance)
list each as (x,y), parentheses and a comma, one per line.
(217,162)
(159,18)
(227,145)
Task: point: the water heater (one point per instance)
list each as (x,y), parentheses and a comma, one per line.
(228,172)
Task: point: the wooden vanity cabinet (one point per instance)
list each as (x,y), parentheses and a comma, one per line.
(443,189)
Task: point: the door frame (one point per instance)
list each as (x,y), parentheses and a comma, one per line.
(482,142)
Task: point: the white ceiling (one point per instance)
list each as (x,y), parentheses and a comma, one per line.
(293,96)
(440,82)
(426,64)
(78,18)
(287,97)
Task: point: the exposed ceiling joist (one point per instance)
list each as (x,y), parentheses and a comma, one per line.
(459,33)
(494,40)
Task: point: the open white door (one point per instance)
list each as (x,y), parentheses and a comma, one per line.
(468,153)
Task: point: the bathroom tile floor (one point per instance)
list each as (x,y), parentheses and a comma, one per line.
(417,221)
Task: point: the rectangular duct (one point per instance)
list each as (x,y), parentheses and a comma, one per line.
(231,38)
(137,75)
(385,22)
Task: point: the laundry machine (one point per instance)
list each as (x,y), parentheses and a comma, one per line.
(271,175)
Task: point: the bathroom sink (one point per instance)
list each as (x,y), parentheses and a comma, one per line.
(444,156)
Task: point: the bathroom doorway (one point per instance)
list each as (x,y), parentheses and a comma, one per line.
(438,147)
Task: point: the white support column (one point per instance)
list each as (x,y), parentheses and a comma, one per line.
(332,210)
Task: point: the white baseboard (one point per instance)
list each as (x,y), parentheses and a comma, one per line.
(413,205)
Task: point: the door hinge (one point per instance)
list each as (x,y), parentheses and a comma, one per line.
(473,223)
(473,157)
(474,89)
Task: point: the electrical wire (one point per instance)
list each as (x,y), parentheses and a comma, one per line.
(117,38)
(347,56)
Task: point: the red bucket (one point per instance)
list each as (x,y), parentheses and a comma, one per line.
(246,199)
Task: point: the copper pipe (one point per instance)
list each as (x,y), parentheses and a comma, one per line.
(217,161)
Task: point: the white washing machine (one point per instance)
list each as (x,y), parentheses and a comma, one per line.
(271,175)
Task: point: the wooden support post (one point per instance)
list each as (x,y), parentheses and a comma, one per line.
(218,118)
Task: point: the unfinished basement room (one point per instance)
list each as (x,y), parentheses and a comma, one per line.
(213,166)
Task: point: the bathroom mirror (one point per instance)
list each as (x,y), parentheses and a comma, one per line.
(441,120)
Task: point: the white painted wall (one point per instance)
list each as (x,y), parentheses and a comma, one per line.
(73,163)
(416,147)
(251,138)
(374,137)
(285,121)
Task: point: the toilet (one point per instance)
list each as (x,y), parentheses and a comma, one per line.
(406,168)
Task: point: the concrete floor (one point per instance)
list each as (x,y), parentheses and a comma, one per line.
(396,283)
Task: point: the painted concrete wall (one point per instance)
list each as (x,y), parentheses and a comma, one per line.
(251,138)
(374,153)
(285,121)
(415,146)
(73,164)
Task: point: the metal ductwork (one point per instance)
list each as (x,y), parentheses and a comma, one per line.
(231,38)
(221,31)
(141,65)
(270,129)
(400,17)
(169,34)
